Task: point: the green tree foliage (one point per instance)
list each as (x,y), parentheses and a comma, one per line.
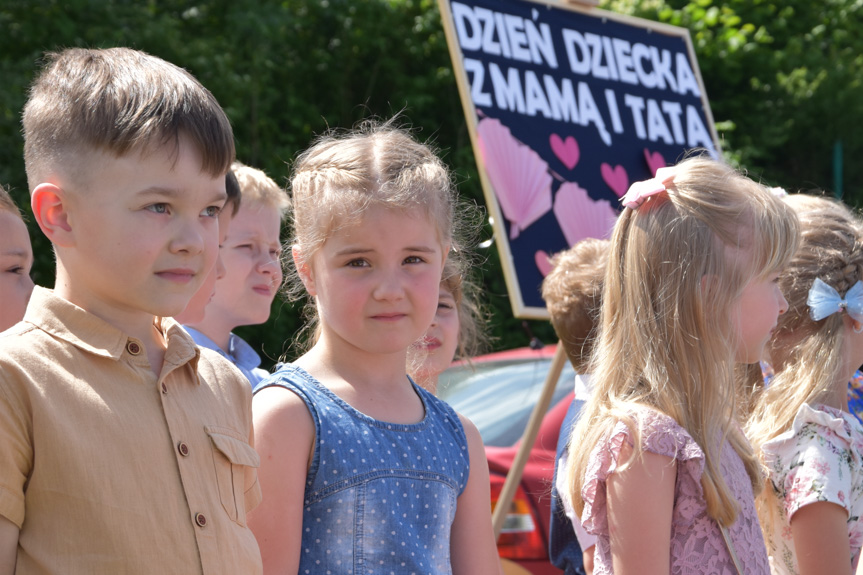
(781,76)
(784,81)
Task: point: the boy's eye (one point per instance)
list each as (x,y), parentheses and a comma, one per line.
(211,211)
(158,208)
(18,270)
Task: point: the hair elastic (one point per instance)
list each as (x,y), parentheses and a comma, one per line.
(824,301)
(640,191)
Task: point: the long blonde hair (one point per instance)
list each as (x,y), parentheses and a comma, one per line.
(676,267)
(808,355)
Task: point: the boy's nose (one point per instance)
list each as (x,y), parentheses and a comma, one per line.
(268,263)
(188,238)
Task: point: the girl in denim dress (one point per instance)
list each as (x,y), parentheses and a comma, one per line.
(363,471)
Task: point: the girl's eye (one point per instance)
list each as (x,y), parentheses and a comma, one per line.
(357,264)
(275,253)
(18,270)
(445,305)
(244,247)
(158,208)
(211,211)
(414,260)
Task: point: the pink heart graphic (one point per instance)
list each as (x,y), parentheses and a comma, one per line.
(567,150)
(615,177)
(543,262)
(654,161)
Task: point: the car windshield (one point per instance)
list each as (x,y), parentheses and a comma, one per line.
(499,396)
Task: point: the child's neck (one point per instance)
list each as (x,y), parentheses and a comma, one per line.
(134,323)
(374,384)
(838,396)
(218,334)
(354,366)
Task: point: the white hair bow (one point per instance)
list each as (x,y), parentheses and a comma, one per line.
(824,301)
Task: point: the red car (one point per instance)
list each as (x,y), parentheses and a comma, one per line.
(498,392)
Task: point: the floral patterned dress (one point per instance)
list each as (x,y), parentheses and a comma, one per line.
(819,459)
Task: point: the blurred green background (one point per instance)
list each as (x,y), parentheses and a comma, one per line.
(783,80)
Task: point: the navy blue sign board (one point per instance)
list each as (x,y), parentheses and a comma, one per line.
(567,106)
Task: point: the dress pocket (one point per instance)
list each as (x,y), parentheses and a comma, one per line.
(231,456)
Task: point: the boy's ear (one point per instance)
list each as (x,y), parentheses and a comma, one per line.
(50,211)
(304,269)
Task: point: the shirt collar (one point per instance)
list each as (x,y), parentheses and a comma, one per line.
(243,352)
(239,352)
(65,320)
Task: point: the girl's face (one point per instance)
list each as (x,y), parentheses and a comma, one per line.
(16,259)
(376,283)
(754,317)
(440,341)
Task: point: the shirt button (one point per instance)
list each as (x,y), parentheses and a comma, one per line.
(183,449)
(164,388)
(133,348)
(200,519)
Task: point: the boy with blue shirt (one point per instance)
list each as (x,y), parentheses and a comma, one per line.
(573,294)
(253,272)
(124,448)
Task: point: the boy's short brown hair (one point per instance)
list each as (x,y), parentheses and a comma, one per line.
(118,100)
(573,293)
(235,196)
(259,189)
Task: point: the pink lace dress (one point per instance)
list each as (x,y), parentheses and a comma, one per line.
(697,546)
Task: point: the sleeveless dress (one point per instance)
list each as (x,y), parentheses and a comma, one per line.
(380,497)
(697,546)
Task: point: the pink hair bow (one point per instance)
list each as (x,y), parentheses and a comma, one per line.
(640,191)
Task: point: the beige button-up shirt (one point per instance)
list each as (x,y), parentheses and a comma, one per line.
(107,468)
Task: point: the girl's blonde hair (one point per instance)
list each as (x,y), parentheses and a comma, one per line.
(342,175)
(808,355)
(677,265)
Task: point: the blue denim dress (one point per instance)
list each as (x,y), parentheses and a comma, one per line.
(380,497)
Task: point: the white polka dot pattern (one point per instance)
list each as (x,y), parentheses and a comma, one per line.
(380,497)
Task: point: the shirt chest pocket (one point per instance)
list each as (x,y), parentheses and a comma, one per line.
(232,456)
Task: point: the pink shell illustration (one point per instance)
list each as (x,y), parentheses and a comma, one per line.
(519,176)
(580,216)
(543,262)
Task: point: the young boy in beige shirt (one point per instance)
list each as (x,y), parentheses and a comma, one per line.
(123,447)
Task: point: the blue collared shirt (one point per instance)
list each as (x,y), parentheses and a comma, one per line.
(239,353)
